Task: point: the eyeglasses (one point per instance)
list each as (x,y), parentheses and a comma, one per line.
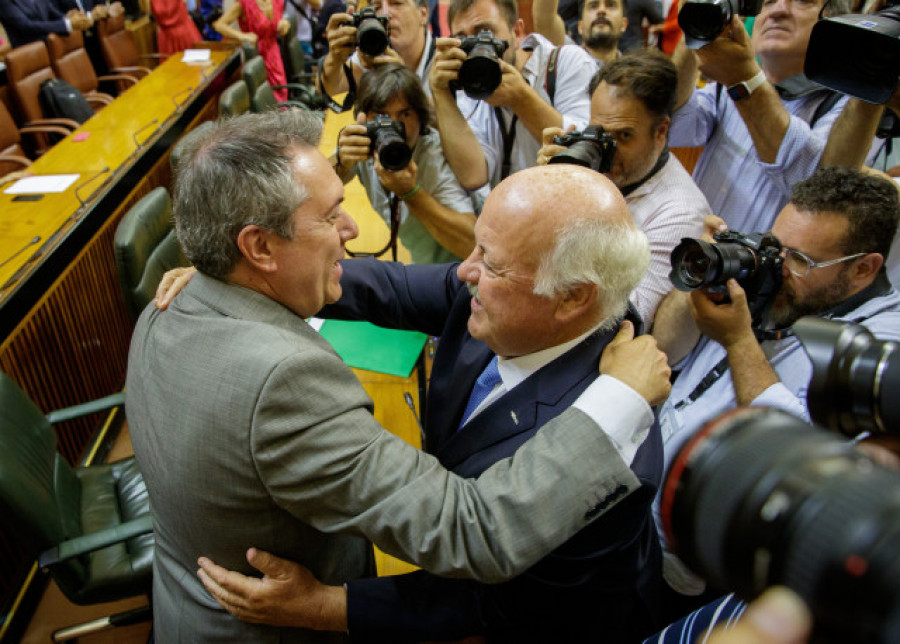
(800,265)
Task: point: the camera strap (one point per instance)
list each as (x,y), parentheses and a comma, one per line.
(509,139)
(392,242)
(349,99)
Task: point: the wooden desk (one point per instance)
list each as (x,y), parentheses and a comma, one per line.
(64,328)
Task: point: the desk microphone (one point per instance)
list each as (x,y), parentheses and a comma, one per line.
(135,135)
(412,407)
(20,251)
(83,184)
(184,91)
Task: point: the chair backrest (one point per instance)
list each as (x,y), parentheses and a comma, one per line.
(235,99)
(117,44)
(295,61)
(39,492)
(175,155)
(26,68)
(264,99)
(145,248)
(254,73)
(10,141)
(70,61)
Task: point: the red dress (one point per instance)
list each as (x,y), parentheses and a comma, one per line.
(254,20)
(176,31)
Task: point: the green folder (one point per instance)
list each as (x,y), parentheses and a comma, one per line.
(366,346)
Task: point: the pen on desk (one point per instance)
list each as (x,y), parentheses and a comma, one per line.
(412,407)
(33,241)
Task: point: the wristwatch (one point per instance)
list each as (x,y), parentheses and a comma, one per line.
(744,89)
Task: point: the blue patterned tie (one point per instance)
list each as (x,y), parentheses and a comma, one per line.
(483,386)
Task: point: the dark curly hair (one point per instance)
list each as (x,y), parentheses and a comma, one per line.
(647,75)
(382,83)
(870,203)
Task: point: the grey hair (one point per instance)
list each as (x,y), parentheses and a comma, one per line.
(591,251)
(239,173)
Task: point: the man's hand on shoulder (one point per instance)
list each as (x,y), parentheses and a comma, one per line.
(171,284)
(638,363)
(287,594)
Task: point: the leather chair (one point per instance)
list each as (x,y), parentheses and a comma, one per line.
(70,62)
(146,247)
(26,68)
(175,154)
(262,97)
(13,155)
(119,51)
(89,526)
(234,100)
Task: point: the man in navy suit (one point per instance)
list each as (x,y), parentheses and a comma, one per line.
(28,20)
(540,296)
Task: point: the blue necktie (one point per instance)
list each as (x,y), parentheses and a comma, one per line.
(483,386)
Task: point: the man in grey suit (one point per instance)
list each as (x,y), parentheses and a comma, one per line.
(251,431)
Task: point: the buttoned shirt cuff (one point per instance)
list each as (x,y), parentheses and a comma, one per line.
(620,411)
(68,25)
(779,396)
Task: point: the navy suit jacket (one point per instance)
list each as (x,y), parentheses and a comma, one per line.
(28,20)
(604,580)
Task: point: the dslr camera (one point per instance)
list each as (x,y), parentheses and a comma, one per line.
(867,64)
(388,138)
(702,21)
(754,260)
(591,148)
(480,72)
(371,31)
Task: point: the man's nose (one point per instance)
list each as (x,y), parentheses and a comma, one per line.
(348,229)
(467,271)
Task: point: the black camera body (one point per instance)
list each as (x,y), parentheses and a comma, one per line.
(867,64)
(591,148)
(758,497)
(702,21)
(388,138)
(480,72)
(753,259)
(372,31)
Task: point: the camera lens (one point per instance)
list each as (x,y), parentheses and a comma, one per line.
(853,377)
(703,20)
(694,263)
(371,37)
(393,153)
(758,497)
(480,73)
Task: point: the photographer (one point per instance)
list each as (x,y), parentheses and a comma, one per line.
(631,99)
(411,44)
(487,140)
(435,213)
(763,125)
(835,233)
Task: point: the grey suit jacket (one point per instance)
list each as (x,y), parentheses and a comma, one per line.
(250,431)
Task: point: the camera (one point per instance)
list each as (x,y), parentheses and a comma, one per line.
(371,31)
(758,497)
(592,148)
(854,375)
(388,139)
(702,21)
(480,72)
(867,64)
(754,260)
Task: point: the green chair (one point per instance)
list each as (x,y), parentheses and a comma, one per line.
(234,100)
(262,99)
(145,247)
(175,154)
(90,527)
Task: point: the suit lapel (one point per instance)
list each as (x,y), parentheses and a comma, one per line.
(537,399)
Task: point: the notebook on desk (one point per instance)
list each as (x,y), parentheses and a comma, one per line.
(366,346)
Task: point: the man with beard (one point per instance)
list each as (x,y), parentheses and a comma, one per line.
(598,29)
(835,232)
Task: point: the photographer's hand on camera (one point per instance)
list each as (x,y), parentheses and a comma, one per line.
(400,182)
(389,56)
(460,145)
(729,324)
(341,44)
(729,59)
(353,147)
(638,363)
(549,149)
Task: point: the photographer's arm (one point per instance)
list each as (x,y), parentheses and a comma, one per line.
(547,21)
(515,93)
(729,324)
(674,328)
(341,43)
(460,145)
(852,134)
(686,64)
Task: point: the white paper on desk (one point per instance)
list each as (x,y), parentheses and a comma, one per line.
(42,184)
(195,56)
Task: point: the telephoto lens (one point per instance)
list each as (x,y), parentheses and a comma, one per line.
(480,72)
(371,31)
(758,497)
(388,139)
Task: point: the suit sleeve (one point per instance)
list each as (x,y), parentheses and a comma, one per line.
(323,457)
(17,21)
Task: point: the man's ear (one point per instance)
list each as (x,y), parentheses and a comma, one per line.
(519,31)
(423,13)
(864,269)
(662,128)
(576,301)
(256,245)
